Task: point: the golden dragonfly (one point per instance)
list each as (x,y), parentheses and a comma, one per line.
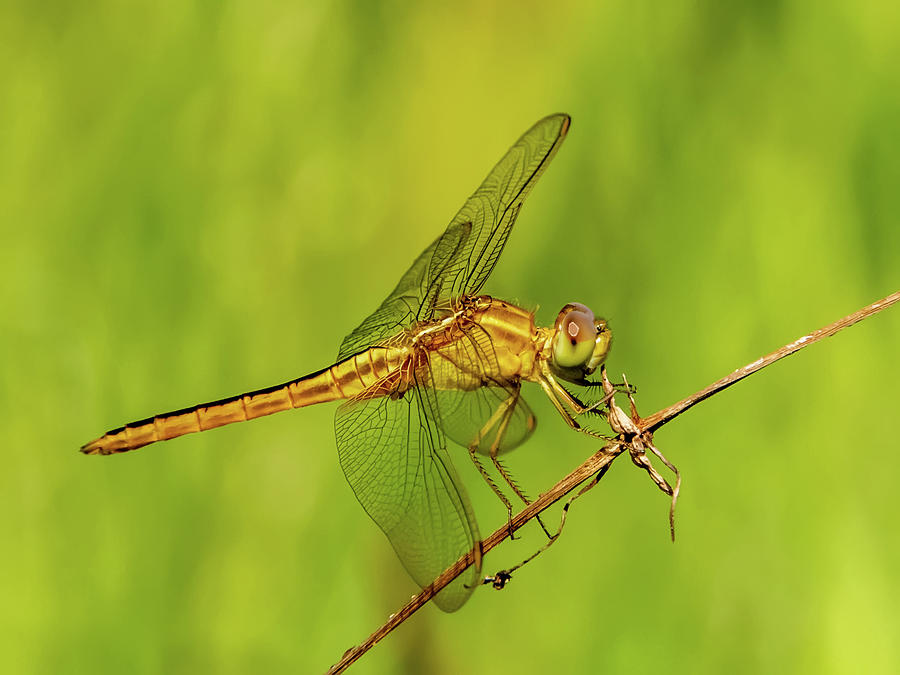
(436,360)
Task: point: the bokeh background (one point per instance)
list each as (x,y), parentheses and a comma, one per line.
(200,198)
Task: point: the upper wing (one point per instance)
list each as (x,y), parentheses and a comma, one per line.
(493,208)
(401,307)
(461,259)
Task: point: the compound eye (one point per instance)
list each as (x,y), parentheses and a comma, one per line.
(576,332)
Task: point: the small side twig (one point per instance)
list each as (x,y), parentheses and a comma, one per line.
(635,434)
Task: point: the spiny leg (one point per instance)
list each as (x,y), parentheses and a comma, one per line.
(620,388)
(473,450)
(561,394)
(555,392)
(502,411)
(509,404)
(498,425)
(506,410)
(500,579)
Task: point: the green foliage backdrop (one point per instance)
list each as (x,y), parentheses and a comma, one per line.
(200,198)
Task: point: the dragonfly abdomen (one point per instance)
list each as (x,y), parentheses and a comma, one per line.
(375,366)
(343,380)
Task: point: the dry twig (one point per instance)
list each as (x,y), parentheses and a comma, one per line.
(634,434)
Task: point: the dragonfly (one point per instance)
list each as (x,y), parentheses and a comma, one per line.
(437,360)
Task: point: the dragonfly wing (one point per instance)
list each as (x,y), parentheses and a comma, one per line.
(477,405)
(493,208)
(460,260)
(401,307)
(394,456)
(488,417)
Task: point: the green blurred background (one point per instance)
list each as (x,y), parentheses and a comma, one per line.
(203,198)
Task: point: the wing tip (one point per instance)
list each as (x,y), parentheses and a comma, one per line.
(564,120)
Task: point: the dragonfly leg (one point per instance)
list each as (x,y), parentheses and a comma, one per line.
(497,426)
(505,409)
(551,388)
(473,450)
(620,387)
(501,578)
(506,412)
(519,492)
(577,407)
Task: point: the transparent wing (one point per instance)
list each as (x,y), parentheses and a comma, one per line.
(487,416)
(394,456)
(493,208)
(477,406)
(461,259)
(401,307)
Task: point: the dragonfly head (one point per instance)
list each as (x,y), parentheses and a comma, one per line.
(580,343)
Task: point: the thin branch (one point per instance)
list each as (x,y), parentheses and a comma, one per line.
(657,419)
(590,467)
(634,434)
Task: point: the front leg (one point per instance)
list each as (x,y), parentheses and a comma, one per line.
(560,398)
